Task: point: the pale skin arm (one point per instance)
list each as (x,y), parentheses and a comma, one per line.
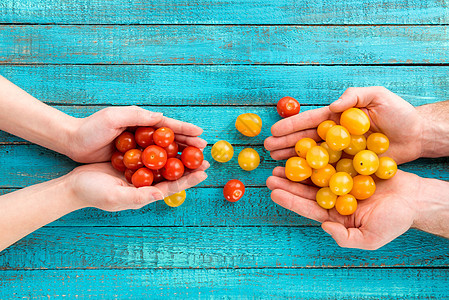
(398,204)
(86,140)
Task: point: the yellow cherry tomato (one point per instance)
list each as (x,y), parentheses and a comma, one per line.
(325,198)
(249,159)
(387,168)
(304,145)
(321,177)
(357,144)
(346,165)
(222,151)
(175,200)
(324,127)
(334,156)
(378,143)
(338,138)
(355,120)
(249,124)
(340,183)
(317,157)
(297,169)
(346,205)
(366,162)
(363,187)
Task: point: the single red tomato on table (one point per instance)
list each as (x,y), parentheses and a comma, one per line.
(144,136)
(125,141)
(234,190)
(163,137)
(288,107)
(117,161)
(173,169)
(142,177)
(154,157)
(192,157)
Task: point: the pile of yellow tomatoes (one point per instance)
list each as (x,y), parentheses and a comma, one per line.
(344,163)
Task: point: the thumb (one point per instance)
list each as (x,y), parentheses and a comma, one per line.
(355,97)
(347,237)
(139,197)
(128,116)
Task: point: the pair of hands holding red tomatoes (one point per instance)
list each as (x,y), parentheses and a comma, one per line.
(391,211)
(98,184)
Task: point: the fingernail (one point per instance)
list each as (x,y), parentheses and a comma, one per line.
(339,100)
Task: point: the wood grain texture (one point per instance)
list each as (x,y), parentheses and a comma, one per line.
(47,44)
(244,284)
(221,85)
(225,12)
(212,247)
(23,165)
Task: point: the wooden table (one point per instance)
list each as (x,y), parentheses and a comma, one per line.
(206,62)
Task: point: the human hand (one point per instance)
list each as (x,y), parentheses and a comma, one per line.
(101,186)
(92,137)
(387,214)
(388,113)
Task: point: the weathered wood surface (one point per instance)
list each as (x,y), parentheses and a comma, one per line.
(220,85)
(199,44)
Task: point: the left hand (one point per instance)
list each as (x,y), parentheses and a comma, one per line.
(390,212)
(92,138)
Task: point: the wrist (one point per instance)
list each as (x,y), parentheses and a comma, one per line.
(432,207)
(435,133)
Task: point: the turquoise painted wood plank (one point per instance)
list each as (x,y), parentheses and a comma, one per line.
(246,284)
(223,44)
(211,247)
(225,12)
(203,207)
(23,165)
(221,85)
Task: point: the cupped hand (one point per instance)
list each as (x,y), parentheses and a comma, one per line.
(387,214)
(93,137)
(101,186)
(388,113)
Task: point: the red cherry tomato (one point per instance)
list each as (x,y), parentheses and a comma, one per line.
(192,157)
(172,150)
(142,177)
(129,174)
(133,159)
(144,136)
(132,129)
(173,169)
(157,176)
(288,107)
(125,142)
(117,161)
(163,137)
(234,190)
(154,157)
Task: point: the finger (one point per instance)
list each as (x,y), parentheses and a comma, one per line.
(127,116)
(283,154)
(349,237)
(192,141)
(306,120)
(290,140)
(180,127)
(302,206)
(298,189)
(355,97)
(279,172)
(135,198)
(171,187)
(204,166)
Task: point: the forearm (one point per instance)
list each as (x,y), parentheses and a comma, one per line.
(432,207)
(23,115)
(26,210)
(435,135)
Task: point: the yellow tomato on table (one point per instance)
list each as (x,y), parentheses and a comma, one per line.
(249,159)
(222,151)
(249,124)
(175,200)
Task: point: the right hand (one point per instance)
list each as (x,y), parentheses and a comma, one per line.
(388,113)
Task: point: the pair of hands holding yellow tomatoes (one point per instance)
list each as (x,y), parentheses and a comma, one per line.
(390,211)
